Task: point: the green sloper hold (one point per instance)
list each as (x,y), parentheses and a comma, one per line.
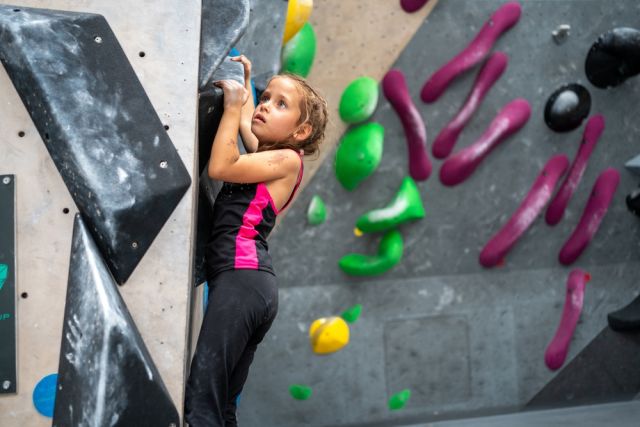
(351,315)
(359,154)
(359,100)
(299,52)
(398,400)
(389,254)
(4,271)
(406,206)
(317,212)
(300,392)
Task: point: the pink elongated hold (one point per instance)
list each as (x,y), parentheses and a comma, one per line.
(592,132)
(488,75)
(502,20)
(596,208)
(411,6)
(509,120)
(395,90)
(558,348)
(496,249)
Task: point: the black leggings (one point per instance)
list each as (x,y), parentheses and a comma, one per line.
(242,305)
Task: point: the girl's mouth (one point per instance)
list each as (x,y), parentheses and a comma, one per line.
(259,117)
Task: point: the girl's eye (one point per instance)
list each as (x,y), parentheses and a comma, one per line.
(282,104)
(264,98)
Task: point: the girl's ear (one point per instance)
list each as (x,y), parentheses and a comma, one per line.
(303,132)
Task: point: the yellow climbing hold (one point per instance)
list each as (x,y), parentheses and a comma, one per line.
(298,13)
(357,232)
(328,334)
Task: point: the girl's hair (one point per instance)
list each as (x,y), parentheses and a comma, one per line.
(313,110)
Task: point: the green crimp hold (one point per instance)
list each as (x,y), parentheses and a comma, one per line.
(398,400)
(317,212)
(359,154)
(4,271)
(300,392)
(351,315)
(389,254)
(359,100)
(406,206)
(299,52)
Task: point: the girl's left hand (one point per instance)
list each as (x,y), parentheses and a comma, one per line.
(235,95)
(247,68)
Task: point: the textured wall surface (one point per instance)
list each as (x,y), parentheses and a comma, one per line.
(466,340)
(157,293)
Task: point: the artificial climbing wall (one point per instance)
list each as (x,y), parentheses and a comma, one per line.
(466,340)
(161,42)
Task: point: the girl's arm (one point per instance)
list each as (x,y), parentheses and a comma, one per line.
(227,164)
(248,138)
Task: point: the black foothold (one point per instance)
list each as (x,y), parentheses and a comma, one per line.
(567,107)
(614,57)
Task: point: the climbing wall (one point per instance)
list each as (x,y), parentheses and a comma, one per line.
(466,340)
(161,44)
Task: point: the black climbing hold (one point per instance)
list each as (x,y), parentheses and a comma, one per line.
(614,57)
(105,374)
(567,107)
(627,318)
(98,125)
(633,201)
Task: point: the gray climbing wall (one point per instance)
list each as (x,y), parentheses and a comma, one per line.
(161,41)
(466,340)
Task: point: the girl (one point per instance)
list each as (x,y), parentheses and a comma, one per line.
(288,123)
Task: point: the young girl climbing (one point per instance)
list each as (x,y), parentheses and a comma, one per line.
(287,124)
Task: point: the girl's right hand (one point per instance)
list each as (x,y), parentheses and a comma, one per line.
(247,68)
(235,95)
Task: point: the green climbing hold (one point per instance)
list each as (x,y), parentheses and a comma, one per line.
(300,392)
(359,154)
(359,100)
(406,206)
(317,212)
(351,315)
(398,400)
(298,53)
(4,271)
(389,254)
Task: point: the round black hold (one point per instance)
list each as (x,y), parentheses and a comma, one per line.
(614,57)
(633,202)
(567,107)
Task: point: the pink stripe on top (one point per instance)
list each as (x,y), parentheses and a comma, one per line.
(246,253)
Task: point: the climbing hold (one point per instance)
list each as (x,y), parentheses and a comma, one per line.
(558,348)
(357,232)
(614,57)
(389,254)
(406,206)
(592,132)
(399,400)
(567,107)
(317,212)
(299,52)
(359,100)
(394,87)
(298,13)
(351,314)
(300,392)
(633,202)
(411,6)
(328,334)
(359,154)
(44,395)
(627,318)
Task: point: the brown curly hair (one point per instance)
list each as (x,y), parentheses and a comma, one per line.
(313,110)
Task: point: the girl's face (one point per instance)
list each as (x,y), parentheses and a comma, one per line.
(278,112)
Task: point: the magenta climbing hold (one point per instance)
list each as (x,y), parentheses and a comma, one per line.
(488,75)
(502,20)
(509,120)
(395,90)
(496,249)
(558,348)
(592,132)
(597,206)
(411,6)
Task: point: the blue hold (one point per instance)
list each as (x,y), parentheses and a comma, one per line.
(44,395)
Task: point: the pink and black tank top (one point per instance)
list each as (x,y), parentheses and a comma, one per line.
(243,217)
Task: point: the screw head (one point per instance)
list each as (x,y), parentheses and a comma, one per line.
(6,384)
(97,39)
(164,164)
(6,180)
